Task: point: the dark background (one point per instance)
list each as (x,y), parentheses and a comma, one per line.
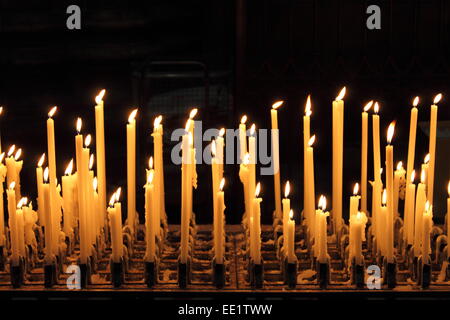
(227,57)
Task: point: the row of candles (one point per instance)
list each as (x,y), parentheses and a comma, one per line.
(83,202)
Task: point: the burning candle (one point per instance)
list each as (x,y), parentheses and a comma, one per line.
(2,213)
(412,137)
(306,140)
(243,176)
(390,192)
(276,157)
(410,199)
(68,185)
(364,148)
(11,196)
(159,169)
(309,186)
(14,166)
(48,220)
(421,199)
(338,153)
(291,257)
(383,220)
(40,192)
(242,138)
(131,170)
(115,218)
(20,225)
(220,248)
(185,185)
(354,201)
(376,143)
(150,208)
(427,224)
(286,208)
(399,178)
(356,231)
(432,147)
(257,225)
(215,188)
(321,226)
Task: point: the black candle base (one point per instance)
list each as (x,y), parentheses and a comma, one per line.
(2,258)
(17,274)
(426,275)
(50,275)
(218,274)
(323,274)
(390,274)
(256,273)
(85,274)
(150,274)
(415,274)
(184,273)
(117,273)
(447,275)
(357,274)
(290,274)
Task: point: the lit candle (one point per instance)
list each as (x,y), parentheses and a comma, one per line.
(390,192)
(354,201)
(131,171)
(159,170)
(87,164)
(40,192)
(412,137)
(191,122)
(427,224)
(364,148)
(220,143)
(383,220)
(286,208)
(276,157)
(252,163)
(150,209)
(14,166)
(338,153)
(376,144)
(432,148)
(220,248)
(257,224)
(48,220)
(2,213)
(356,231)
(185,185)
(68,184)
(11,195)
(306,139)
(100,149)
(20,225)
(309,186)
(30,218)
(215,189)
(321,227)
(291,257)
(421,199)
(242,138)
(424,167)
(399,177)
(448,215)
(115,218)
(243,176)
(410,199)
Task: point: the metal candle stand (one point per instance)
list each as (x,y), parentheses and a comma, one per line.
(290,273)
(184,273)
(17,273)
(323,274)
(390,273)
(2,258)
(424,273)
(357,274)
(151,273)
(117,272)
(85,273)
(256,274)
(218,274)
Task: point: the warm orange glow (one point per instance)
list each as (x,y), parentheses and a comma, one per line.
(222,184)
(390,132)
(311,140)
(399,165)
(322,203)
(87,140)
(221,132)
(112,200)
(384,198)
(287,189)
(426,159)
(213,148)
(52,111)
(150,163)
(308,111)
(186,126)
(427,207)
(2,156)
(18,153)
(91,161)
(246,158)
(376,107)
(22,202)
(69,168)
(448,188)
(368,106)
(11,150)
(341,94)
(252,129)
(99,97)
(193,113)
(95,183)
(118,192)
(381,171)
(79,124)
(46,174)
(356,189)
(257,190)
(291,214)
(422,176)
(150,176)
(12,185)
(359,215)
(132,115)
(1,109)
(243,119)
(277,104)
(157,121)
(416,102)
(437,98)
(413,176)
(41,160)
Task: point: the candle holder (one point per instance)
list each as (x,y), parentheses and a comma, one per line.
(218,274)
(117,273)
(17,273)
(50,273)
(85,273)
(184,273)
(390,273)
(357,273)
(151,273)
(290,273)
(323,273)
(424,269)
(2,258)
(256,274)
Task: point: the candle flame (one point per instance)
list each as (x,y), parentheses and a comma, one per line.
(222,184)
(277,104)
(1,110)
(95,183)
(247,158)
(422,176)
(257,190)
(87,140)
(416,102)
(384,198)
(359,215)
(112,200)
(221,132)
(91,161)
(12,185)
(79,124)
(427,206)
(311,140)
(322,203)
(118,192)
(243,119)
(287,189)
(356,189)
(69,168)
(157,121)
(18,153)
(291,214)
(341,94)
(11,150)
(193,113)
(448,188)
(2,156)
(390,132)
(376,107)
(427,158)
(381,171)
(23,201)
(150,176)
(46,174)
(99,97)
(41,160)
(252,129)
(186,126)
(132,115)
(52,111)
(399,165)
(368,106)
(308,111)
(437,98)
(150,163)
(413,176)
(213,148)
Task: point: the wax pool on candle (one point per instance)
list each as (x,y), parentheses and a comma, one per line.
(276,157)
(364,143)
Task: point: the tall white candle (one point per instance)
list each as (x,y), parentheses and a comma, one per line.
(2,212)
(131,171)
(427,224)
(150,252)
(410,199)
(390,192)
(100,150)
(364,148)
(257,225)
(322,256)
(412,138)
(432,148)
(291,257)
(399,177)
(286,209)
(220,248)
(40,192)
(310,184)
(242,138)
(421,199)
(276,157)
(306,139)
(159,170)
